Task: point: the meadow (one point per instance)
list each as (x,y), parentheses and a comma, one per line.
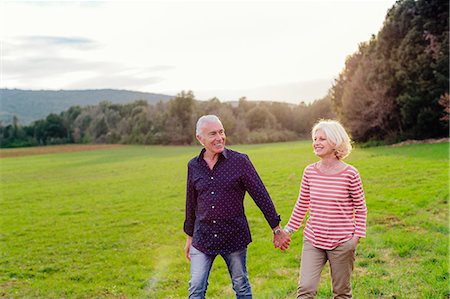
(108,223)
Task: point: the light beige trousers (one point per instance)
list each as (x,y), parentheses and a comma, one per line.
(341,261)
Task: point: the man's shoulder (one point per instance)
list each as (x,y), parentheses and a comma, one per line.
(193,161)
(235,154)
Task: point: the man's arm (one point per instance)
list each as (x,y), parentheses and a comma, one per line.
(191,203)
(255,187)
(258,192)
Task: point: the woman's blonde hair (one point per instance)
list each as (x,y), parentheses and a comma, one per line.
(336,135)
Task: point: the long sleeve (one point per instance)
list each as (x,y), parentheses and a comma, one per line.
(191,204)
(302,205)
(359,205)
(258,192)
(215,211)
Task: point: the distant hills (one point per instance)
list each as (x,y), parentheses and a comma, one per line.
(31,105)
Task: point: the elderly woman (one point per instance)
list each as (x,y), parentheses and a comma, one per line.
(332,192)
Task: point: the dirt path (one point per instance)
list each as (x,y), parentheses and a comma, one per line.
(425,141)
(51,149)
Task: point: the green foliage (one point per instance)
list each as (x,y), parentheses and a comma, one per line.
(390,89)
(171,122)
(108,223)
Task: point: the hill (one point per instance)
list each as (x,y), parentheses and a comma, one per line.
(31,105)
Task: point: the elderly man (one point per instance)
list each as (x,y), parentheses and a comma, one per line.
(215,221)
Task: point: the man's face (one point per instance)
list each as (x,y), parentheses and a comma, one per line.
(212,137)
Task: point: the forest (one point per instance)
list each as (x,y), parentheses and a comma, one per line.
(394,88)
(171,122)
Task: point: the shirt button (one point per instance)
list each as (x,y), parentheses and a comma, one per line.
(214,221)
(215,235)
(212,192)
(212,178)
(212,207)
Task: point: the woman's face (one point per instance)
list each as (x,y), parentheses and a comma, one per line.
(322,147)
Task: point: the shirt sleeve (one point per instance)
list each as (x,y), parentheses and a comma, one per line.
(301,206)
(255,187)
(191,204)
(359,205)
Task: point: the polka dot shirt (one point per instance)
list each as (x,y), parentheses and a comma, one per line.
(215,215)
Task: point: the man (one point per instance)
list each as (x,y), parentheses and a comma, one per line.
(215,221)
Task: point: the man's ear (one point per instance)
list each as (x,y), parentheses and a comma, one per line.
(199,138)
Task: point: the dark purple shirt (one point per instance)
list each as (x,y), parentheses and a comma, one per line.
(215,215)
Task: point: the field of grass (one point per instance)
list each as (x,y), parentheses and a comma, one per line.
(108,224)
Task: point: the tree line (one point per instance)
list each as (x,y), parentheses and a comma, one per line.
(171,122)
(395,87)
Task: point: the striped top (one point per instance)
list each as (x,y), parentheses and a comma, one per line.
(336,204)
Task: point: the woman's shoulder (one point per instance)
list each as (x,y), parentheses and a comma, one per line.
(351,169)
(310,167)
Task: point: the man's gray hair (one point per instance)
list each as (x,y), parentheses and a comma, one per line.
(204,119)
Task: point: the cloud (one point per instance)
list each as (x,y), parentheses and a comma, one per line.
(25,47)
(48,41)
(294,92)
(115,81)
(59,40)
(48,66)
(66,62)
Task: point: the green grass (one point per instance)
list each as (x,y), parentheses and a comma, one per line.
(108,224)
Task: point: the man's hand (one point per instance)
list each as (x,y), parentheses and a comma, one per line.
(281,239)
(187,248)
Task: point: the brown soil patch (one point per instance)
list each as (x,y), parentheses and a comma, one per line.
(390,220)
(425,141)
(52,149)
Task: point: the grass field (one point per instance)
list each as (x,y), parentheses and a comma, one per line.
(108,224)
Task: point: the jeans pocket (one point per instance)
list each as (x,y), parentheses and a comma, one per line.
(194,251)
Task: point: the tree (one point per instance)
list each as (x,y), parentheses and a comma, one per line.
(180,121)
(260,117)
(390,88)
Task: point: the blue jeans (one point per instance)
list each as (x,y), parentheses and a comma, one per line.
(201,264)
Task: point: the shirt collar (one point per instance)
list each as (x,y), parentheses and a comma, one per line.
(224,154)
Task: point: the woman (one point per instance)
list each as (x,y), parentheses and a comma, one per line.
(332,192)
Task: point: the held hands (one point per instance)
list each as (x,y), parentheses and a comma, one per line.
(281,239)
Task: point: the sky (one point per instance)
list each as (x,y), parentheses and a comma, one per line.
(264,50)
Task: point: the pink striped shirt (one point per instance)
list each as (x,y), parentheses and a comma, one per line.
(336,204)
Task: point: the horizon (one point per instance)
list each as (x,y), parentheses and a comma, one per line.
(146,92)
